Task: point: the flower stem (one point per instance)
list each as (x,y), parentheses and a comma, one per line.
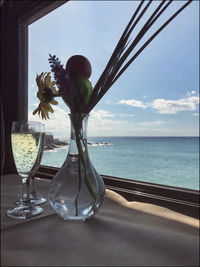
(77,123)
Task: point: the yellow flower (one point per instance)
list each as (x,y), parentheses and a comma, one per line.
(46,93)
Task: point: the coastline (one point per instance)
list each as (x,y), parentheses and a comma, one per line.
(51,143)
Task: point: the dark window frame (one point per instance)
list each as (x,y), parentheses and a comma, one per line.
(15,18)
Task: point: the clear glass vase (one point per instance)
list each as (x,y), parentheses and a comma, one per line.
(77,190)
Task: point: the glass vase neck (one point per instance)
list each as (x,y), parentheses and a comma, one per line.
(79,126)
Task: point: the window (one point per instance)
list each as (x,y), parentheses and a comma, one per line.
(146,127)
(16,16)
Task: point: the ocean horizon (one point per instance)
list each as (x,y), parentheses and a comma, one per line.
(167,160)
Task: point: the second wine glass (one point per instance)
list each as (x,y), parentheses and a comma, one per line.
(35,199)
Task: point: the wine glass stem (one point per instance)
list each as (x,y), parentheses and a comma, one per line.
(26,190)
(32,191)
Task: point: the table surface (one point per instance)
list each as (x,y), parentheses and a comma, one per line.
(122,233)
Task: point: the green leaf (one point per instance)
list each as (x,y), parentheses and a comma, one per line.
(85,89)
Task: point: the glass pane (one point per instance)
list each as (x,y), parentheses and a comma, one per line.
(146,126)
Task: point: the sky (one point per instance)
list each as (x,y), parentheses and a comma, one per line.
(158,95)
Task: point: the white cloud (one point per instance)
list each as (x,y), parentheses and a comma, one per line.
(152,123)
(164,106)
(100,114)
(133,103)
(104,123)
(101,123)
(58,124)
(125,115)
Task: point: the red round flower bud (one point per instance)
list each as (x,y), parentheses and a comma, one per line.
(78,65)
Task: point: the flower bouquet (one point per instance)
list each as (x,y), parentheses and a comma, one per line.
(77,190)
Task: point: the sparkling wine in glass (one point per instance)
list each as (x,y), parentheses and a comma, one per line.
(25,138)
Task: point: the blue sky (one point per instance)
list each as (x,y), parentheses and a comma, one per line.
(158,95)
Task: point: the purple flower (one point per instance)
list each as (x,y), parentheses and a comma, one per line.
(66,86)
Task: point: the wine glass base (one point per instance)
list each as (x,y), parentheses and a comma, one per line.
(24,212)
(34,200)
(38,200)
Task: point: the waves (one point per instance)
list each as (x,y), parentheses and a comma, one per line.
(171,161)
(99,144)
(55,148)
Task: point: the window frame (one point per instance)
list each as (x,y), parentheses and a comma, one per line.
(17,20)
(16,16)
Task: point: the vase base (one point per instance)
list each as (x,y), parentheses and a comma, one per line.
(74,218)
(67,211)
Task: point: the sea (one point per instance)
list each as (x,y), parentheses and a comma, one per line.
(172,161)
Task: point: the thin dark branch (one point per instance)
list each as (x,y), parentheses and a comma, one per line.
(121,43)
(164,8)
(128,51)
(149,40)
(139,17)
(142,32)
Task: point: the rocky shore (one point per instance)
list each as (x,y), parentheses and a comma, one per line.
(52,143)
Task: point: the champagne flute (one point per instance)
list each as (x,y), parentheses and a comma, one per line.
(25,138)
(32,192)
(33,195)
